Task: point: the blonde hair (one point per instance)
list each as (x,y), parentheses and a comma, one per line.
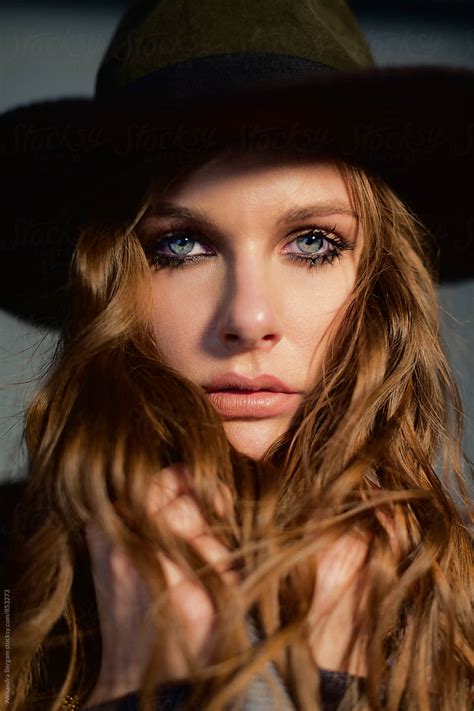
(384,413)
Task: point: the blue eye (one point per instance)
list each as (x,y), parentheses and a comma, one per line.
(178,248)
(310,243)
(317,246)
(181,245)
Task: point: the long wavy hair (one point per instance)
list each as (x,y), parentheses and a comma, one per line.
(377,439)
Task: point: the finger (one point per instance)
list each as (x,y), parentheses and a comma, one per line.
(340,561)
(183,517)
(192,604)
(164,487)
(189,597)
(167,485)
(223,501)
(172,482)
(339,570)
(177,480)
(216,555)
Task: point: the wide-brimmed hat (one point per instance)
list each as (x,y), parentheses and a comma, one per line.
(184,78)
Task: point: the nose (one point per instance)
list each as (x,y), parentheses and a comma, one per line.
(249,316)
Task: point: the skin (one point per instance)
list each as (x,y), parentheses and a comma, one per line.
(248,309)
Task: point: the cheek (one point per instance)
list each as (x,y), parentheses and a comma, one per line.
(313,306)
(180,315)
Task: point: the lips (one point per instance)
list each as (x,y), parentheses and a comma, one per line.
(237,396)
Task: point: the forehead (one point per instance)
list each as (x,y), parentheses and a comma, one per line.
(244,193)
(262,178)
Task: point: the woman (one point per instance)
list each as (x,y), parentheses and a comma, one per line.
(235,446)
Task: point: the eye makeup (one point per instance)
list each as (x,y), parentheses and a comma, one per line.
(176,247)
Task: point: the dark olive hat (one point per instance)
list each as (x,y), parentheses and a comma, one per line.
(183,78)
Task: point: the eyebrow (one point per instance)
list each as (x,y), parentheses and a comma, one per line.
(321,209)
(318,210)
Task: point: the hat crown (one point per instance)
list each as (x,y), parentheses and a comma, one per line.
(273,36)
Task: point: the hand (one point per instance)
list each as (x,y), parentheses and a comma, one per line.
(341,594)
(124,600)
(340,589)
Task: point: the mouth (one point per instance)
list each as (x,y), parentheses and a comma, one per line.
(240,397)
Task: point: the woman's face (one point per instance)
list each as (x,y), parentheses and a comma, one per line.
(254,261)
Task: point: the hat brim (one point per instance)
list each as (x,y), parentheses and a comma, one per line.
(413,126)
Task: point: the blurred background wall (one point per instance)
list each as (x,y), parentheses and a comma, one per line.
(50,50)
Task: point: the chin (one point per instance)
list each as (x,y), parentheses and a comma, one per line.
(254,437)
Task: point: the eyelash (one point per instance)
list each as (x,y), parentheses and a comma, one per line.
(167,261)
